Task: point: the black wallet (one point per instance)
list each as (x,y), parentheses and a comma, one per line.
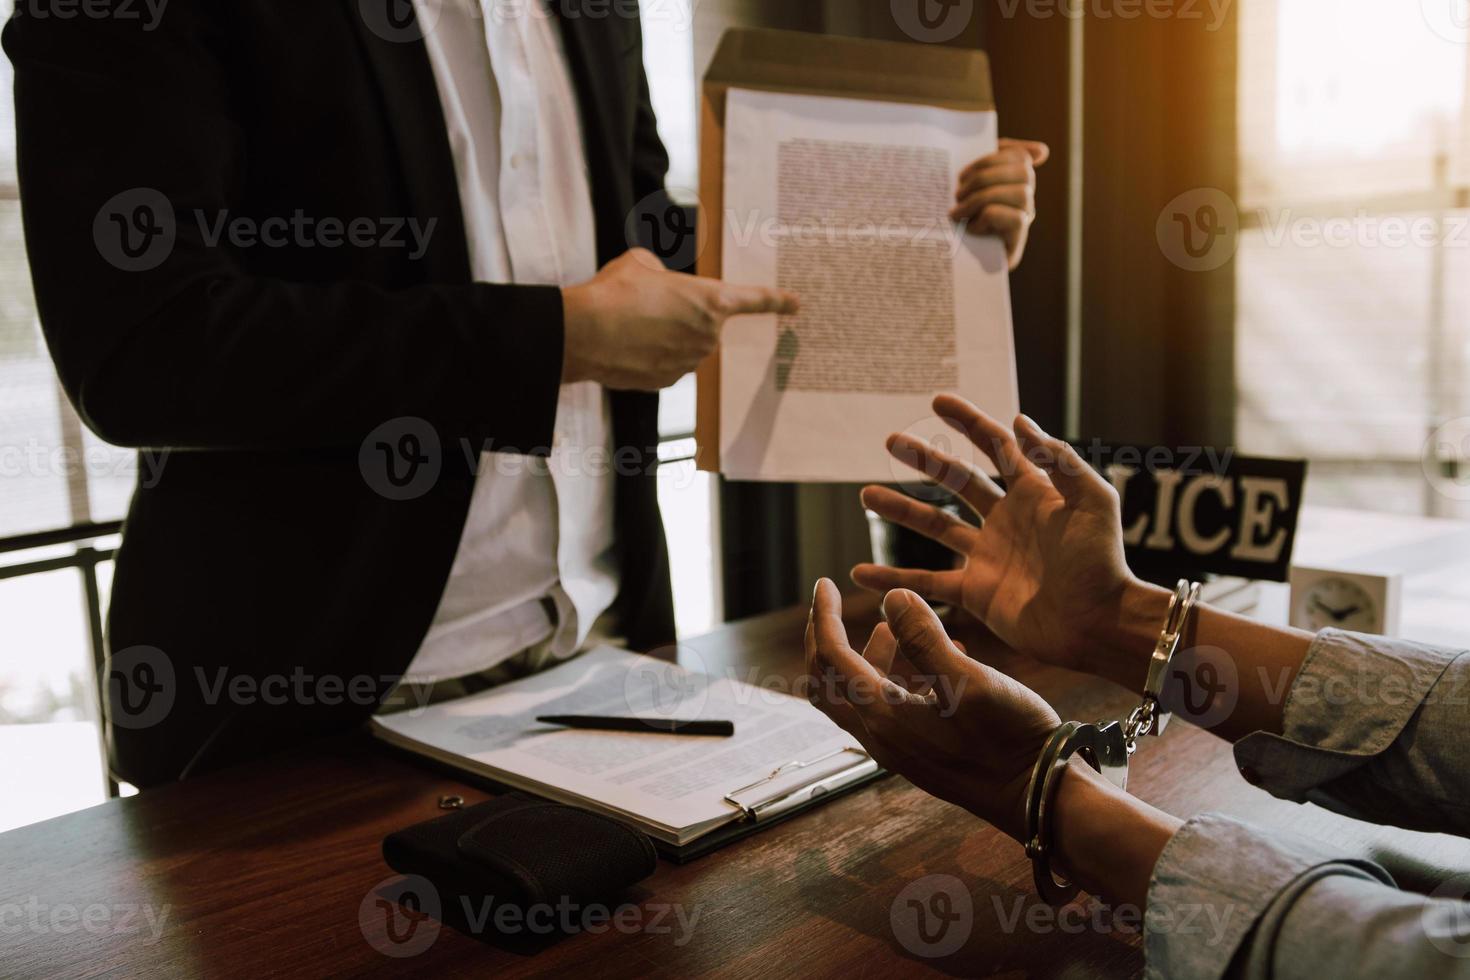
(520,852)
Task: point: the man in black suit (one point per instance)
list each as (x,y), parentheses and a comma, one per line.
(340,260)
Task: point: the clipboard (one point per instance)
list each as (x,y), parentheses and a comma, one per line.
(808,64)
(759,811)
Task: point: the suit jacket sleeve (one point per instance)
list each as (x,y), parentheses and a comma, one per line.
(199,352)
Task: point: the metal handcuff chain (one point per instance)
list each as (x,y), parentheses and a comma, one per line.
(1106,746)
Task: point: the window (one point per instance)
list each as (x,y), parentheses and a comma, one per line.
(689,500)
(53,475)
(688,497)
(668,57)
(1353,284)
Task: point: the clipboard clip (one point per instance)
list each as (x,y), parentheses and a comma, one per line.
(806,792)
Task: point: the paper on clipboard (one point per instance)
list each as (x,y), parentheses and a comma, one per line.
(785,753)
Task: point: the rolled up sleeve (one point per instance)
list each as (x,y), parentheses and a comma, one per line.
(1375,729)
(1229,899)
(1372,728)
(1213,885)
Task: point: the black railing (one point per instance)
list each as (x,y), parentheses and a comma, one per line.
(85,559)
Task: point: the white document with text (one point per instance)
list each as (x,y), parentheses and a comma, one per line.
(846,202)
(671,787)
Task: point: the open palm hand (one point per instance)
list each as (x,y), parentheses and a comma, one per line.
(1046,571)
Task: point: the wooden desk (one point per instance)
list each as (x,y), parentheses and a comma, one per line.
(264,870)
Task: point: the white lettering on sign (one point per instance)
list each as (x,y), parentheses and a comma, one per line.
(1251,505)
(1189,533)
(1119,475)
(1264,498)
(1167,482)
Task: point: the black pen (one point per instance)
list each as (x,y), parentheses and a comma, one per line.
(664,726)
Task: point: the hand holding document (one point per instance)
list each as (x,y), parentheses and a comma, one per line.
(997,194)
(847,202)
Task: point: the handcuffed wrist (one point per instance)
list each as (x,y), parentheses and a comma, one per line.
(1128,642)
(1105,745)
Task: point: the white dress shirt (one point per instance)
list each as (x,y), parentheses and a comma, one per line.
(537,535)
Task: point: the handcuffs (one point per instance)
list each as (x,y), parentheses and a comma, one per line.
(1106,746)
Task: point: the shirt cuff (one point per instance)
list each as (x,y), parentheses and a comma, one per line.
(1351,700)
(1214,882)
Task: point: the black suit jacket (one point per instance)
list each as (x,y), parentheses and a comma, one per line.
(267,577)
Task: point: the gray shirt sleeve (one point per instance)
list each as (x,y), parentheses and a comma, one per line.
(1229,899)
(1371,728)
